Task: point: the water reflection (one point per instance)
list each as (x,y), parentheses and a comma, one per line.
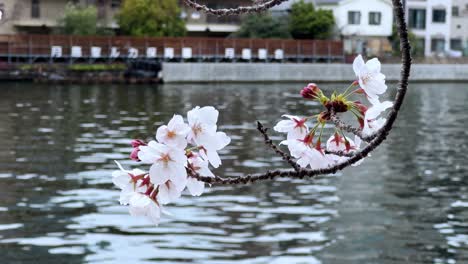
(406,204)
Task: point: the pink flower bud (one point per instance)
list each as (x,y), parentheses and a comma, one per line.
(311,91)
(137,142)
(134,154)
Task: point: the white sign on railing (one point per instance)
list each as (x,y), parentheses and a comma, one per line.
(279,54)
(229,53)
(56,51)
(76,52)
(186,53)
(151,52)
(262,54)
(115,53)
(168,53)
(133,53)
(95,52)
(246,54)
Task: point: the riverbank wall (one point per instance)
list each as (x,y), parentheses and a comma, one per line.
(301,72)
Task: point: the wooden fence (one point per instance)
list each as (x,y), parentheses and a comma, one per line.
(52,48)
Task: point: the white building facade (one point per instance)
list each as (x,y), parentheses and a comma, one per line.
(459,26)
(431,22)
(364,25)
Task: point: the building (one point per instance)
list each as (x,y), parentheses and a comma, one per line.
(363,25)
(202,24)
(431,22)
(40,16)
(459,26)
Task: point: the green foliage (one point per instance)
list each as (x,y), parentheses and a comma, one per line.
(151,18)
(417,50)
(97,67)
(263,26)
(79,21)
(307,22)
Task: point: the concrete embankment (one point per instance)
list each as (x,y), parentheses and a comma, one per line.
(276,72)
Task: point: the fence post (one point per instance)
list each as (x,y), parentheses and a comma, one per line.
(314,51)
(299,43)
(9,50)
(217,57)
(30,58)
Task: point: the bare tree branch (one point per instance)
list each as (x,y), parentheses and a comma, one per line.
(257,7)
(374,141)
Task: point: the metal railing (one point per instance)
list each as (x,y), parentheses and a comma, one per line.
(61,48)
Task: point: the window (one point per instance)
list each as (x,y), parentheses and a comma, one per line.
(418,47)
(456,44)
(375,18)
(455,11)
(2,12)
(437,45)
(115,3)
(417,18)
(354,17)
(101,9)
(35,10)
(438,15)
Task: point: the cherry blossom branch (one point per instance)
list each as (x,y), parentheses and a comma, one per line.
(255,8)
(348,128)
(286,157)
(339,153)
(374,141)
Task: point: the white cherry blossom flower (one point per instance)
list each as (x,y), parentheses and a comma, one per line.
(295,127)
(370,79)
(125,180)
(174,133)
(353,145)
(168,163)
(371,121)
(195,187)
(307,155)
(170,191)
(209,150)
(338,143)
(202,123)
(143,205)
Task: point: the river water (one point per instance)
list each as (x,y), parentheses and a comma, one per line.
(408,203)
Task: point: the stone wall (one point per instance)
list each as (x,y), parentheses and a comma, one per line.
(276,72)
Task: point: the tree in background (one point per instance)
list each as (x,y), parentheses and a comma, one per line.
(307,22)
(151,18)
(263,26)
(80,21)
(417,50)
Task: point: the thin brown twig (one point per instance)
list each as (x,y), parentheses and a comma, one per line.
(255,8)
(348,128)
(286,157)
(377,139)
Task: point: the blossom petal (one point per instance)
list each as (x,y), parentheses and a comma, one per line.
(358,65)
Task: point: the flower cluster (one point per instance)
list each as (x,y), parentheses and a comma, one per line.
(304,134)
(183,148)
(178,147)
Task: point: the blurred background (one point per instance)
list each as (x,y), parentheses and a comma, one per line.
(80,79)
